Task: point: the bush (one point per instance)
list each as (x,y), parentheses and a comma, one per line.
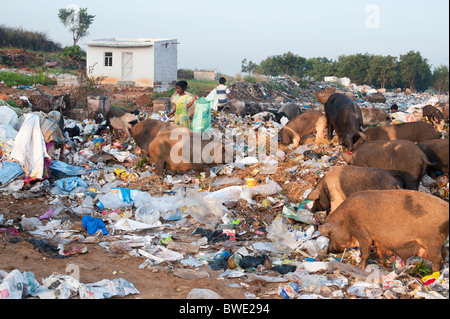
(15,79)
(73,51)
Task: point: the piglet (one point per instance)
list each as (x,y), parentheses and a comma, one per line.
(121,120)
(313,122)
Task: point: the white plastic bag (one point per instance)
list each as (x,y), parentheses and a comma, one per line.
(8,116)
(212,96)
(29,147)
(150,212)
(198,293)
(203,208)
(266,189)
(281,237)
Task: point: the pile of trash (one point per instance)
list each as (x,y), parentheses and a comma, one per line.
(278,91)
(17,285)
(249,220)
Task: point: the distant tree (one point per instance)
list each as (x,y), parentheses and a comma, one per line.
(248,67)
(318,68)
(354,67)
(415,71)
(77,21)
(440,79)
(286,65)
(382,71)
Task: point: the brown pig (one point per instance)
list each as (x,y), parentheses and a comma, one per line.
(145,132)
(373,116)
(405,222)
(305,124)
(412,131)
(403,159)
(182,150)
(437,152)
(342,181)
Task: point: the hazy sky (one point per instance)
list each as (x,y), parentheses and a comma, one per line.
(220,34)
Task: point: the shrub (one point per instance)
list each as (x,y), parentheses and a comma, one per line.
(15,79)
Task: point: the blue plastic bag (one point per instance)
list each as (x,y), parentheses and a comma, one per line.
(10,171)
(66,185)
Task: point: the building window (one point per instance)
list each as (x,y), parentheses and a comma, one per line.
(108,58)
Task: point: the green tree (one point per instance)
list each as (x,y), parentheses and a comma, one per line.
(287,64)
(382,71)
(440,79)
(248,67)
(77,21)
(318,68)
(415,71)
(354,67)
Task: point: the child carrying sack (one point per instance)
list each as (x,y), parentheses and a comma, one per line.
(202,116)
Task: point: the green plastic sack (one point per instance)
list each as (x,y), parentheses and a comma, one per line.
(202,116)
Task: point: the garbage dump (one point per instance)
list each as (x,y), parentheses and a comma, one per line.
(247,226)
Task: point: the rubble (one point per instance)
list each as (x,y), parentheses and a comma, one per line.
(248,224)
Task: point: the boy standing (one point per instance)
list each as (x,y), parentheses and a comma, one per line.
(223,93)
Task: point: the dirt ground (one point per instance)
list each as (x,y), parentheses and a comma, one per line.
(159,282)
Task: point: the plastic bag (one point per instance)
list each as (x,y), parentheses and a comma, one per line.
(205,209)
(69,184)
(212,96)
(10,171)
(266,189)
(117,198)
(9,117)
(29,147)
(7,136)
(198,293)
(150,212)
(282,238)
(202,116)
(30,223)
(92,225)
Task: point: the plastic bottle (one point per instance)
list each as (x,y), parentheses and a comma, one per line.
(115,198)
(289,291)
(54,210)
(172,215)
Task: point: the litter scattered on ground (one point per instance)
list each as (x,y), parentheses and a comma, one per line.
(249,221)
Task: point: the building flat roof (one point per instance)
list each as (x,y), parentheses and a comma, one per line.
(125,42)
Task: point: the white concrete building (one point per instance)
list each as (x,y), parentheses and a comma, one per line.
(134,62)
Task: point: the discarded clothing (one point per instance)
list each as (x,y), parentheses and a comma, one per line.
(46,249)
(92,225)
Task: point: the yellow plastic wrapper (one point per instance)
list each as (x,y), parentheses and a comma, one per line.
(428,280)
